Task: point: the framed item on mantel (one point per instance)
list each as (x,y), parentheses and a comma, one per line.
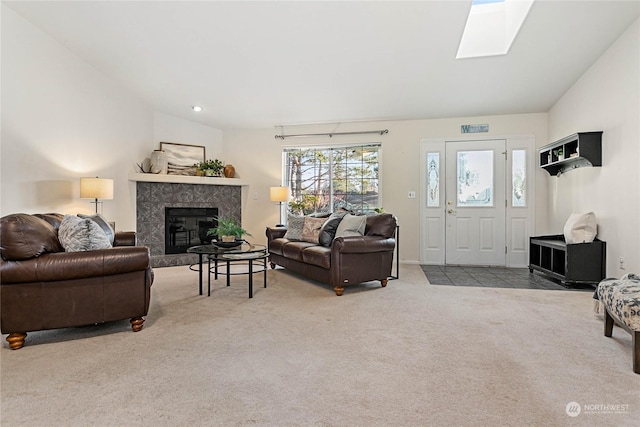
(182,157)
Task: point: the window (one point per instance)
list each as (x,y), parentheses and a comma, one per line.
(492,26)
(325,179)
(433,180)
(518,178)
(475,178)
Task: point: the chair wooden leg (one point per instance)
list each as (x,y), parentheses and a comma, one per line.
(16,340)
(608,323)
(338,290)
(136,323)
(635,351)
(384,282)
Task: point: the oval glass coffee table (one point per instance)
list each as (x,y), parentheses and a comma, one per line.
(244,253)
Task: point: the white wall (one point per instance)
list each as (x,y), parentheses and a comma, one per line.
(258,158)
(168,128)
(62,120)
(606,98)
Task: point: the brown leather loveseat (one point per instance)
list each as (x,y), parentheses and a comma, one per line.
(348,260)
(43,287)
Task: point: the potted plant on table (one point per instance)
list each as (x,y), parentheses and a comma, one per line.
(228,230)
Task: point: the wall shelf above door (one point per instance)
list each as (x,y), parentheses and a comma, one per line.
(578,150)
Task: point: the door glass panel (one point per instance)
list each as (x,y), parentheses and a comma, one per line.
(475,178)
(518,181)
(433,180)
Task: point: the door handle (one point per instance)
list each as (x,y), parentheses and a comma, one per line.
(451,211)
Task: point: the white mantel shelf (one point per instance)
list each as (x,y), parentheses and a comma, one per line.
(184,179)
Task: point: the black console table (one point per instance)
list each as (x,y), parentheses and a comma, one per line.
(576,263)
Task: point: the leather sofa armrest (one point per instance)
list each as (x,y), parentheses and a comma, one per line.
(125,238)
(363,244)
(275,232)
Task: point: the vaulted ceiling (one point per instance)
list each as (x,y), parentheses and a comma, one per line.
(268,63)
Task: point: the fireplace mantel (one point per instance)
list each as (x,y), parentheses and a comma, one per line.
(184,179)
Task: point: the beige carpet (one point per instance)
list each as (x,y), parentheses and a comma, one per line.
(410,354)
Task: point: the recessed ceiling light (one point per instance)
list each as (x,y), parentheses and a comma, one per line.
(196,108)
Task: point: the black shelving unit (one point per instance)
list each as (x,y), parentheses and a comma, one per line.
(578,150)
(575,263)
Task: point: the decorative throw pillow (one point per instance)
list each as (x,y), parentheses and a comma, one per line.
(328,230)
(81,234)
(311,229)
(294,227)
(103,223)
(351,225)
(581,228)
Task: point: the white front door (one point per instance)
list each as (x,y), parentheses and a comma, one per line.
(475,203)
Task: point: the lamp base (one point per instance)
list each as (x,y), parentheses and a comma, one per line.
(97,202)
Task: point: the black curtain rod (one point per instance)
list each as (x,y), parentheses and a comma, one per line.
(332,134)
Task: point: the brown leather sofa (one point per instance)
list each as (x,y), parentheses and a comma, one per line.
(43,287)
(349,260)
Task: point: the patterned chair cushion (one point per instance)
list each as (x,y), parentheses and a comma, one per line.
(622,298)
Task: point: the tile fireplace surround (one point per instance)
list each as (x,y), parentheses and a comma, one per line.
(154,193)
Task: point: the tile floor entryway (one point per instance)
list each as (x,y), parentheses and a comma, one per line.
(494,277)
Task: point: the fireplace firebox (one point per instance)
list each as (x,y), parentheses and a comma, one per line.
(186,227)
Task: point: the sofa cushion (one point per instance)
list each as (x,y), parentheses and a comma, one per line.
(351,225)
(24,236)
(52,218)
(317,255)
(63,266)
(311,229)
(293,250)
(294,227)
(328,230)
(580,228)
(276,245)
(81,234)
(103,223)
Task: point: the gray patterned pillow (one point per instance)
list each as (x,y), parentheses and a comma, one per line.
(294,227)
(103,223)
(81,234)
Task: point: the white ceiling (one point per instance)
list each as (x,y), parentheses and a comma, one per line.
(268,63)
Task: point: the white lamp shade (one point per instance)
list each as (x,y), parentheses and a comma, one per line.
(96,188)
(279,194)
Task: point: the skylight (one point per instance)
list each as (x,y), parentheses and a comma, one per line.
(492,26)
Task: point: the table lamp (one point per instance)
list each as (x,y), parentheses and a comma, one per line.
(96,188)
(280,195)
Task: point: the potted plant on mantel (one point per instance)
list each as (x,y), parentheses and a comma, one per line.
(228,230)
(211,167)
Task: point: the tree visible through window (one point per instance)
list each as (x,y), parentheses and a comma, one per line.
(325,179)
